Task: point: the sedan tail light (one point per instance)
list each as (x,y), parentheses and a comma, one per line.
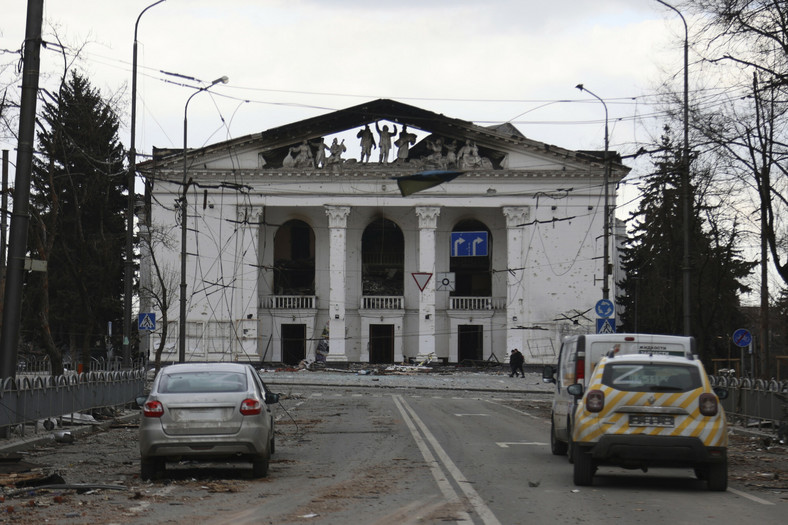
(153,409)
(251,407)
(708,404)
(595,401)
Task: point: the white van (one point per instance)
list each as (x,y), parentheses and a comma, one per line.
(579,356)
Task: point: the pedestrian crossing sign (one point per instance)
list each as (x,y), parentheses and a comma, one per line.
(146,321)
(606,325)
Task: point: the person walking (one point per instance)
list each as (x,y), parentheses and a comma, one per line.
(516,361)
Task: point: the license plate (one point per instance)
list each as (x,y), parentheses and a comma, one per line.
(638,420)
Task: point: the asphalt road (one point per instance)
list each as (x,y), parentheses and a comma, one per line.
(392,454)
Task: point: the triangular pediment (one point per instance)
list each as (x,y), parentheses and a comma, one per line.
(497,147)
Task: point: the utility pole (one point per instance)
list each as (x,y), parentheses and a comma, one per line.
(128,277)
(17,247)
(686,197)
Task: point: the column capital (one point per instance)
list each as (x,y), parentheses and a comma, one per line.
(428,216)
(515,215)
(248,215)
(337,216)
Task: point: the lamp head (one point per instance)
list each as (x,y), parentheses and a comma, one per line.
(223,80)
(580,87)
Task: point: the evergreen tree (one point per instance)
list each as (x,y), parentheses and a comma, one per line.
(652,260)
(77,225)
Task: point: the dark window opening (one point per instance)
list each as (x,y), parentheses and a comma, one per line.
(383,259)
(294,259)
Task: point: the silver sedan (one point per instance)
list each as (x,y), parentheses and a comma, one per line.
(207,411)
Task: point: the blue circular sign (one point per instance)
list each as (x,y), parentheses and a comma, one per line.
(742,337)
(605,308)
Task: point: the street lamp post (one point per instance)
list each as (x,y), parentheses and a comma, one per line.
(128,276)
(685,179)
(184,215)
(606,218)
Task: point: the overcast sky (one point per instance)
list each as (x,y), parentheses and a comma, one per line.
(486,61)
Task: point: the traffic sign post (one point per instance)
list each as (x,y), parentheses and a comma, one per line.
(743,338)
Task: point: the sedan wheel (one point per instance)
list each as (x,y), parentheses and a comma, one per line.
(151,468)
(259,467)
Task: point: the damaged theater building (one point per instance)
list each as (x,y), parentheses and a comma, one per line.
(297,250)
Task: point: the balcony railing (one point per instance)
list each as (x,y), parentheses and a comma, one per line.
(477,303)
(289,302)
(382,302)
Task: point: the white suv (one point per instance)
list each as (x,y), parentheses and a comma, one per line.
(643,411)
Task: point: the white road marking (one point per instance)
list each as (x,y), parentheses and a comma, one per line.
(473,497)
(756,499)
(440,478)
(466,415)
(518,411)
(505,444)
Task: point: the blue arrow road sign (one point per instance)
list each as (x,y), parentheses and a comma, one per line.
(469,244)
(742,337)
(605,308)
(146,322)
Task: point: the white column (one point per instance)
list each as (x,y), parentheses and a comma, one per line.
(337,265)
(247,343)
(515,279)
(428,220)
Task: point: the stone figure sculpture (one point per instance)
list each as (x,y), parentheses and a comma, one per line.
(367,143)
(385,141)
(404,142)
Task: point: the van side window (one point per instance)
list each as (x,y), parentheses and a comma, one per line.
(567,372)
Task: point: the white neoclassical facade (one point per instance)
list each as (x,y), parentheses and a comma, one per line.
(297,251)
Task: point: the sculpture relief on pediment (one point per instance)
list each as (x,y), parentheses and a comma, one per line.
(433,152)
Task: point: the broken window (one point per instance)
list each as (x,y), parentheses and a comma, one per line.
(294,259)
(383,259)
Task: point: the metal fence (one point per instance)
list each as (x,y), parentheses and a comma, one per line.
(31,397)
(755,402)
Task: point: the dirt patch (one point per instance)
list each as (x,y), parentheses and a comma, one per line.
(368,484)
(758,462)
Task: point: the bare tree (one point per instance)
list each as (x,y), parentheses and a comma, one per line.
(165,280)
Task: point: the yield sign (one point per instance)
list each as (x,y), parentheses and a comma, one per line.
(421,278)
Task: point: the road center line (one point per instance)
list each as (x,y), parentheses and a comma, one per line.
(440,478)
(474,499)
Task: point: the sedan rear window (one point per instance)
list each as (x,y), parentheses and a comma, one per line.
(651,377)
(210,381)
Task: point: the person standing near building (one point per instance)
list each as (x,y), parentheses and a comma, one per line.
(516,361)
